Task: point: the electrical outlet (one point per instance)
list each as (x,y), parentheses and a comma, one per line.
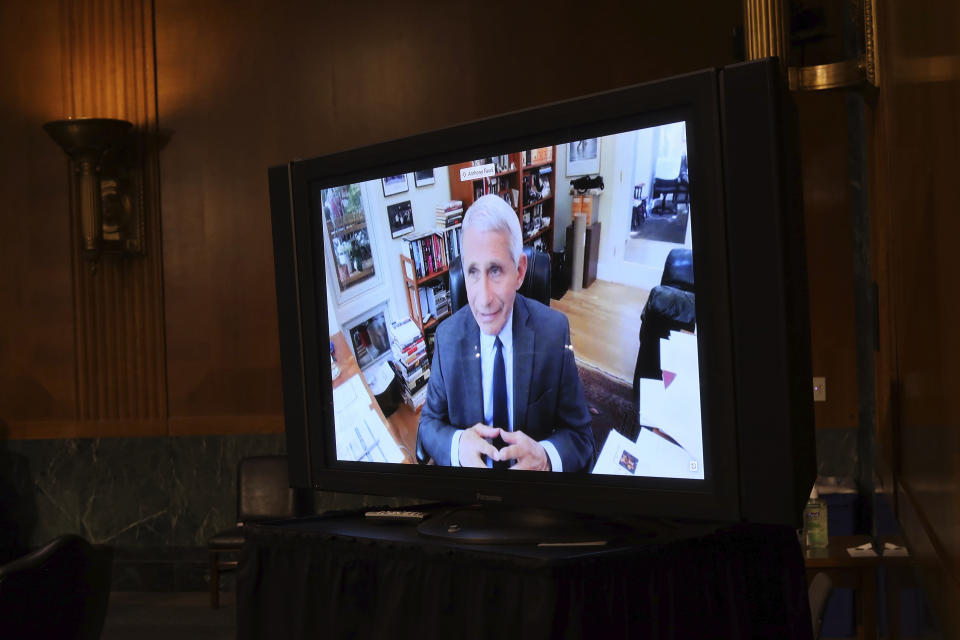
(819,389)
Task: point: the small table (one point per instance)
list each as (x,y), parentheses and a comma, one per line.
(860,573)
(339,575)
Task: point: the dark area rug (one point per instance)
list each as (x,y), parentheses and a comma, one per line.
(667,227)
(611,404)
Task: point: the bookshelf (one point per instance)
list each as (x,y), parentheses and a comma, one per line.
(413,285)
(527,180)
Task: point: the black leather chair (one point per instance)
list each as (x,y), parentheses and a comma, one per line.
(536,284)
(263,493)
(671,306)
(61,590)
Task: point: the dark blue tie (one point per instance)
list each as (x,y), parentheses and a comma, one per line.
(501,417)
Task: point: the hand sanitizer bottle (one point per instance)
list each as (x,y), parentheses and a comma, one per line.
(815,521)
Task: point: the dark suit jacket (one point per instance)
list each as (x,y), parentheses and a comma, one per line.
(548,400)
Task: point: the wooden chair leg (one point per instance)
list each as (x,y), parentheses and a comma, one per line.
(214,581)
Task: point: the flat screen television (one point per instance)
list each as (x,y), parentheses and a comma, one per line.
(665,371)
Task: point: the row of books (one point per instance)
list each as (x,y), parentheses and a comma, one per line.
(413,389)
(535,156)
(453,236)
(407,345)
(448,214)
(500,186)
(414,399)
(428,251)
(410,364)
(434,301)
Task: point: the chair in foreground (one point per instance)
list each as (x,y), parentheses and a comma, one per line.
(263,493)
(61,590)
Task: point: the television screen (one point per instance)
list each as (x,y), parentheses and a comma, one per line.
(554,307)
(592,421)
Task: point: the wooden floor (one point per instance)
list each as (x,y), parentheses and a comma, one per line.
(605,325)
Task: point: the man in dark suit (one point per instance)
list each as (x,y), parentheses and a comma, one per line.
(504,389)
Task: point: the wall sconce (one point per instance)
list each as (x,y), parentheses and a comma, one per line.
(103,158)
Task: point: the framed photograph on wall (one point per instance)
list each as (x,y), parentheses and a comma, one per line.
(424,178)
(368,336)
(401,218)
(350,254)
(392,185)
(583,157)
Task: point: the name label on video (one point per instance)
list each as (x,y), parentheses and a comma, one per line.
(472,173)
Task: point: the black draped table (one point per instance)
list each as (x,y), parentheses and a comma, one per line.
(340,576)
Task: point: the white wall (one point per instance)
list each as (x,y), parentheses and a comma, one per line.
(387,250)
(628,159)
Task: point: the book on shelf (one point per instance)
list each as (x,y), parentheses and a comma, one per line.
(427,251)
(502,163)
(536,156)
(434,301)
(448,214)
(414,400)
(412,380)
(498,185)
(407,344)
(453,237)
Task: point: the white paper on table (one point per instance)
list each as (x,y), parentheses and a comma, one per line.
(618,457)
(675,410)
(660,458)
(361,433)
(650,456)
(678,354)
(863,551)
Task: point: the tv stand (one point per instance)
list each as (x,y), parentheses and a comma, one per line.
(496,524)
(340,575)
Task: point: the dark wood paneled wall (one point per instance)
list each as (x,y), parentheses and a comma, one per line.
(261,84)
(240,87)
(108,71)
(916,162)
(98,61)
(37,378)
(822,130)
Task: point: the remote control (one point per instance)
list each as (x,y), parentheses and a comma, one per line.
(395,515)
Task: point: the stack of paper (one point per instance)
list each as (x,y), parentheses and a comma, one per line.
(361,433)
(651,456)
(673,404)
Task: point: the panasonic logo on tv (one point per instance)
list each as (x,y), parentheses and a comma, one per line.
(483,497)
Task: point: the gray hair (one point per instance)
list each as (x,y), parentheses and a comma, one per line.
(492,213)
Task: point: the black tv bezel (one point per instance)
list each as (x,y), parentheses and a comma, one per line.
(307,385)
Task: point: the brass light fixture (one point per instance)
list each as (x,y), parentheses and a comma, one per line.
(767,34)
(101,153)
